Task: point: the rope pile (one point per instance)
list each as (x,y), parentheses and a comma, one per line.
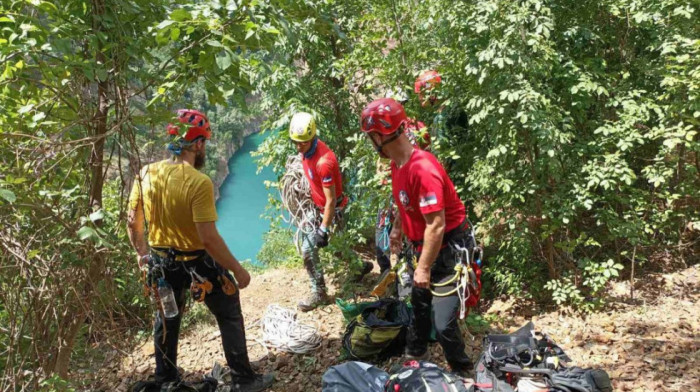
(283,332)
(295,193)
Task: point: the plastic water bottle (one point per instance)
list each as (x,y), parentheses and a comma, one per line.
(167,299)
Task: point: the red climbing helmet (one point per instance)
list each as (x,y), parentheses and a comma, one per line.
(426,81)
(199,125)
(383,115)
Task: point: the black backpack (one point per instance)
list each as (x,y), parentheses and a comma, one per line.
(423,376)
(575,379)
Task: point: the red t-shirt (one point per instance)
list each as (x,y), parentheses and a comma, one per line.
(421,186)
(322,170)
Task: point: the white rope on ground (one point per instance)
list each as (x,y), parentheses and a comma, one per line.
(283,332)
(295,193)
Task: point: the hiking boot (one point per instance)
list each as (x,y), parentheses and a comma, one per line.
(366,268)
(315,300)
(260,383)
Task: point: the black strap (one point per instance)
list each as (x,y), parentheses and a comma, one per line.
(176,252)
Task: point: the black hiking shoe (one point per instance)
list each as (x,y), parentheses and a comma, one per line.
(366,268)
(260,383)
(315,300)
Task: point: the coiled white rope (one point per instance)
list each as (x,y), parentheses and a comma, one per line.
(283,332)
(295,193)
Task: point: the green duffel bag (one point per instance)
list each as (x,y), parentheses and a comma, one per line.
(379,331)
(351,309)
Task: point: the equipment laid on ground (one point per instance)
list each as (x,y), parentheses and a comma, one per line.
(282,331)
(413,376)
(529,361)
(354,377)
(423,376)
(351,310)
(379,331)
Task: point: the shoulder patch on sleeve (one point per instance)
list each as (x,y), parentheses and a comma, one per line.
(428,199)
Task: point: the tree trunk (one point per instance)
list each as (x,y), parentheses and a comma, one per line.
(75,317)
(549,241)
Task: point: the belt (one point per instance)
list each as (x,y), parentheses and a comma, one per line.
(179,255)
(449,236)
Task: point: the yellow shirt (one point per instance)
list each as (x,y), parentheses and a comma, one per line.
(175,196)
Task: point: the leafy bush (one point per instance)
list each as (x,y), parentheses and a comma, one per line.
(581,144)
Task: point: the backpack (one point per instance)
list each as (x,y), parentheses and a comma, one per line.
(379,331)
(354,377)
(584,380)
(423,376)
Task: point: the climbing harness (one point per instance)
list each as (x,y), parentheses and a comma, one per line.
(295,193)
(150,276)
(467,276)
(282,331)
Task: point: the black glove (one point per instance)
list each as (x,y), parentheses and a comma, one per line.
(321,238)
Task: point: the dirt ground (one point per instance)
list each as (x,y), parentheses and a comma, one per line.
(649,344)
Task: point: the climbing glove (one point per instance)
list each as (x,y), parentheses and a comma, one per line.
(321,238)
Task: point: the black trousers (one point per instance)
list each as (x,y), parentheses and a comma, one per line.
(226,309)
(444,310)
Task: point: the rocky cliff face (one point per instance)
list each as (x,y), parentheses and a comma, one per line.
(222,164)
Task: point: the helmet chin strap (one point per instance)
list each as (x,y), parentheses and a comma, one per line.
(380,147)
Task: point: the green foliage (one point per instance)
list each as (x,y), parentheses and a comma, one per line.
(581,136)
(197,315)
(86,89)
(55,384)
(279,250)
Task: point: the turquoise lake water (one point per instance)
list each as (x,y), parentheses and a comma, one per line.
(242,201)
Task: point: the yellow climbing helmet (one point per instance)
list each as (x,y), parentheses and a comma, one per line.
(302,128)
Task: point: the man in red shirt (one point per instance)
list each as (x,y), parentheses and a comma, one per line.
(323,173)
(433,219)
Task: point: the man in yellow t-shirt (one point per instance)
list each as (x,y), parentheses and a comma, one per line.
(185,250)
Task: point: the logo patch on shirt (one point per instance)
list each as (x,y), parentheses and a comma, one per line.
(429,199)
(311,174)
(403,198)
(327,180)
